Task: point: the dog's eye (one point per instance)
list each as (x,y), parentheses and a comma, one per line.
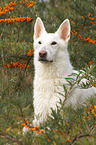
(53,43)
(39,42)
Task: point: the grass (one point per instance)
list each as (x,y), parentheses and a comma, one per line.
(15,100)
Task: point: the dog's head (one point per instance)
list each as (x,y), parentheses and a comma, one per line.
(46,45)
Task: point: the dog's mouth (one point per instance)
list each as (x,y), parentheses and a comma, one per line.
(43,57)
(45,60)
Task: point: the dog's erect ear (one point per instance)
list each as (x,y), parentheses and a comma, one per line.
(38,28)
(64,30)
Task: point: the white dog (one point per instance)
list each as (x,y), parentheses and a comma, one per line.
(52,65)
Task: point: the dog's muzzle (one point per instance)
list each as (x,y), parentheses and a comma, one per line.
(43,56)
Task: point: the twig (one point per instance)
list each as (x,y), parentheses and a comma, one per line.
(10,138)
(81,136)
(21,77)
(27,65)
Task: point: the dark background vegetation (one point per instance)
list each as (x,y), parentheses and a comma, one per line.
(17,70)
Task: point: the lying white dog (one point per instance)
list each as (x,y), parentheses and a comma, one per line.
(52,65)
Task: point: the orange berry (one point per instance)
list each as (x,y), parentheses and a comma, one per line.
(29,129)
(95,107)
(42,131)
(68,140)
(26,126)
(88,117)
(92,111)
(91,62)
(37,127)
(23,124)
(27,122)
(48,140)
(33,128)
(38,132)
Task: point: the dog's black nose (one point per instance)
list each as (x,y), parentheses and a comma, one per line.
(42,53)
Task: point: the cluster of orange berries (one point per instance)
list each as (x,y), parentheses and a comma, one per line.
(30,128)
(91,18)
(7,8)
(90,40)
(93,111)
(79,36)
(30,52)
(74,32)
(85,39)
(37,129)
(31,3)
(18,19)
(17,64)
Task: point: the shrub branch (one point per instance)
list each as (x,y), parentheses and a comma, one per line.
(81,136)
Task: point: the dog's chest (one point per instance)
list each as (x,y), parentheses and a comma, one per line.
(46,94)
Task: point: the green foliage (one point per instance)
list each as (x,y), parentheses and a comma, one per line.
(71,126)
(67,126)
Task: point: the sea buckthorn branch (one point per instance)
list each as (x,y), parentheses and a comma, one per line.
(16,55)
(7,8)
(31,128)
(30,52)
(91,18)
(36,129)
(27,65)
(74,32)
(30,4)
(79,137)
(22,77)
(27,3)
(92,110)
(17,64)
(17,19)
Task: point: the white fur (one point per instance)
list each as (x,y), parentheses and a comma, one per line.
(49,76)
